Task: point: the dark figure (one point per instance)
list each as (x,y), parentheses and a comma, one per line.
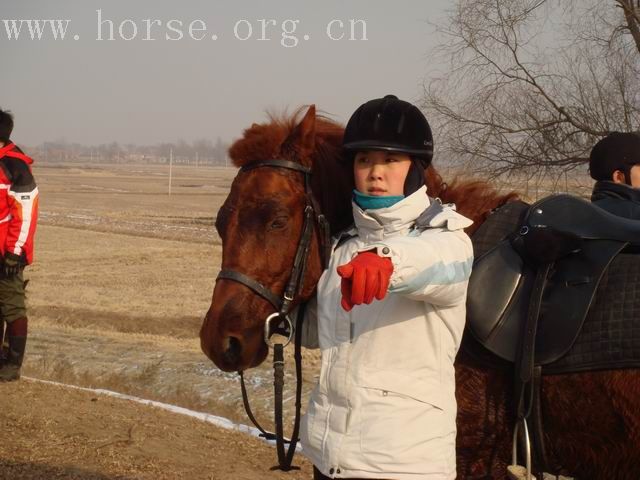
(615,165)
(18,218)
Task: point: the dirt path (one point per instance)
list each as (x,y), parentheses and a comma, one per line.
(52,432)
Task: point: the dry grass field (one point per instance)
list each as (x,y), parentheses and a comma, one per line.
(114,251)
(122,279)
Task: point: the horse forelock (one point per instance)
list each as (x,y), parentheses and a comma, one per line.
(264,141)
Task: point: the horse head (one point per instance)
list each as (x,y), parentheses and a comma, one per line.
(261,225)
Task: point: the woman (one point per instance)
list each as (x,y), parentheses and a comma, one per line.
(390,312)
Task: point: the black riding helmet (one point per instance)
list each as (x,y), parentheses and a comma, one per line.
(616,151)
(393,125)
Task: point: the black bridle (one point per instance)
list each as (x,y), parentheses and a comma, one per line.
(282,305)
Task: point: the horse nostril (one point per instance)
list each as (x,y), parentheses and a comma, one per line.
(233,351)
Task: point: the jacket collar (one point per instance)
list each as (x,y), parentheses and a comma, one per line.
(12,150)
(374,225)
(6,149)
(607,189)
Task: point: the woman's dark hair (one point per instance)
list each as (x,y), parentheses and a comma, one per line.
(6,125)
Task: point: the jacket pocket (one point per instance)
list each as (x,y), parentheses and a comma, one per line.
(405,426)
(421,389)
(312,427)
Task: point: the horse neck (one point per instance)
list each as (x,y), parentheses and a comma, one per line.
(474,199)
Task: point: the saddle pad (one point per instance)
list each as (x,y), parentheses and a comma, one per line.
(610,336)
(500,223)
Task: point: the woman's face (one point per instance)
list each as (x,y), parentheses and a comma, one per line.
(381,173)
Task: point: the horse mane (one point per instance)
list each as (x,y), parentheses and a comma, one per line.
(475,199)
(333,183)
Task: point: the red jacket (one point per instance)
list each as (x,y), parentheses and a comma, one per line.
(18,203)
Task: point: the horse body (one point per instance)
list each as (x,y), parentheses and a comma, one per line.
(592,419)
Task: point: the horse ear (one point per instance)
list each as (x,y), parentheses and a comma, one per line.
(302,139)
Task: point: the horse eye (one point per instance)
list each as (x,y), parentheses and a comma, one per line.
(279,222)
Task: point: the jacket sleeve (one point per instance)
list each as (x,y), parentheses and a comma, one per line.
(22,200)
(310,323)
(433,266)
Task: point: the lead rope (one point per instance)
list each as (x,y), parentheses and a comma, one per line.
(285,457)
(247,408)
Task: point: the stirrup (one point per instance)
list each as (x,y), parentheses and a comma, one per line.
(515,471)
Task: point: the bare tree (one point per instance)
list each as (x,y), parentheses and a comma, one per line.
(531,85)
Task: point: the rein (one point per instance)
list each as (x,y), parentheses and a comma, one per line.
(282,305)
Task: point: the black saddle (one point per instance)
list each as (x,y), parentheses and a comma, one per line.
(571,238)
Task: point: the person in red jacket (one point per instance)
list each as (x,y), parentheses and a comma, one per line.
(18,218)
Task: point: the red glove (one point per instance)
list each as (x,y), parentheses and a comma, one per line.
(363,278)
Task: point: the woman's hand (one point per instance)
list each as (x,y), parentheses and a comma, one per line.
(364,278)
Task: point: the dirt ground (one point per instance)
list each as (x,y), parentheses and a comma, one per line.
(50,432)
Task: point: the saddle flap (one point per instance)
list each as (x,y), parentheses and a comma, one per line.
(494,281)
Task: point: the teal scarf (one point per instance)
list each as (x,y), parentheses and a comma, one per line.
(372,202)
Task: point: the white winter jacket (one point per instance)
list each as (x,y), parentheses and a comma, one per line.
(384,406)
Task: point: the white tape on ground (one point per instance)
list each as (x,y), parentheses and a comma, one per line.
(205,417)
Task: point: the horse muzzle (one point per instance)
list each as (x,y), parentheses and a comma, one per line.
(232,350)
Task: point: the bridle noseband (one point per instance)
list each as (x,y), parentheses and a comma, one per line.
(283,306)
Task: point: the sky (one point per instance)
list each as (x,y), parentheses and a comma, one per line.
(144,87)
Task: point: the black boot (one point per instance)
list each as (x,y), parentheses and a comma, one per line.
(17,338)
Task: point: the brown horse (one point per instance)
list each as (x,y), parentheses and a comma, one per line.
(592,419)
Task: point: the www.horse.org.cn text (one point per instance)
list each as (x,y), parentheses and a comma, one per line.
(287,32)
